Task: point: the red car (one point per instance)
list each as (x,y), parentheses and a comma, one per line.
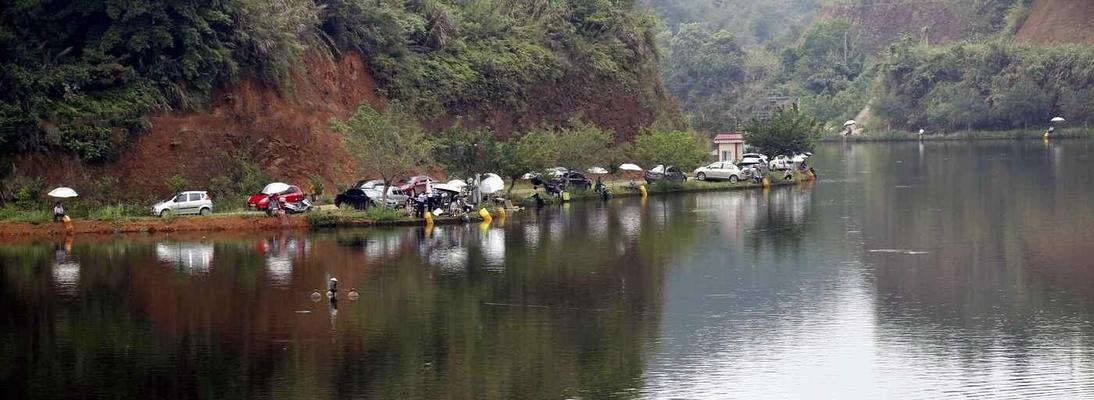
(414,185)
(261,201)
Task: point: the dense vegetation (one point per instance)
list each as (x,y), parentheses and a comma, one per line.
(81,76)
(728,61)
(995,85)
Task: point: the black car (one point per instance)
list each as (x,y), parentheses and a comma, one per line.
(355,197)
(671,174)
(573,180)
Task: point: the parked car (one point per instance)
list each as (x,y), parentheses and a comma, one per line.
(414,184)
(753,158)
(780,163)
(261,201)
(369,183)
(671,174)
(573,180)
(185,203)
(364,197)
(722,170)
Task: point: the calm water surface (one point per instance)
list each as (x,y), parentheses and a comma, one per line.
(935,270)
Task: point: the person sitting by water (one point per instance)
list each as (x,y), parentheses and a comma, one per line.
(58,212)
(274,206)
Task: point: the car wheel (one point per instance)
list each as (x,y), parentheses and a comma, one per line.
(733,179)
(701,176)
(165,213)
(203,212)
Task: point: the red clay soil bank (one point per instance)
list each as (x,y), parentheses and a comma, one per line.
(204,224)
(1059,21)
(286,131)
(884,22)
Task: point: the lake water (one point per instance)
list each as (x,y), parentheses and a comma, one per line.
(934,270)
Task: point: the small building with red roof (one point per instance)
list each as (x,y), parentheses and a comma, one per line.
(729,146)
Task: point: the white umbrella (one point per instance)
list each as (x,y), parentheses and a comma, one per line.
(447,187)
(492,183)
(596,170)
(62,193)
(275,188)
(630,167)
(1059,119)
(457,183)
(849,123)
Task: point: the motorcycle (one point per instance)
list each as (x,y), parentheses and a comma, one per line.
(299,207)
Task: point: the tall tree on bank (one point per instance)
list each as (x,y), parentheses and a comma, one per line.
(582,145)
(681,149)
(389,143)
(789,131)
(534,152)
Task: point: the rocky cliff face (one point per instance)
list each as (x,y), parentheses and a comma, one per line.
(1058,22)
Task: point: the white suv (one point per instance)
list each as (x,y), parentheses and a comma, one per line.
(185,203)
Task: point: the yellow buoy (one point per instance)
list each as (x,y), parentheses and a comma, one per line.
(428,218)
(501,213)
(485,215)
(565,196)
(68,224)
(642,189)
(766,182)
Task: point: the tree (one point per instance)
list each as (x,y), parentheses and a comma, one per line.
(789,131)
(681,149)
(465,152)
(388,143)
(534,151)
(582,145)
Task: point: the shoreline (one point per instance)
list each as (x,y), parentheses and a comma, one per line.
(337,219)
(900,136)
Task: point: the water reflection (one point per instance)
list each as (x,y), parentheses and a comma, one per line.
(880,281)
(188,257)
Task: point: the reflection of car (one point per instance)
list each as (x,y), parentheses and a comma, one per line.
(193,256)
(722,170)
(185,203)
(574,180)
(261,201)
(414,184)
(660,173)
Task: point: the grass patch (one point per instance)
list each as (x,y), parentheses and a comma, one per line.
(15,214)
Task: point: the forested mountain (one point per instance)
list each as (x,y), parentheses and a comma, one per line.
(82,76)
(124,94)
(939,65)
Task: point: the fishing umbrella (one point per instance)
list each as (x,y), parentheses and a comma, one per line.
(275,188)
(62,193)
(492,183)
(457,183)
(596,170)
(849,123)
(1058,119)
(448,187)
(630,167)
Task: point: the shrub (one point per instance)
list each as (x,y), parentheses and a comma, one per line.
(177,183)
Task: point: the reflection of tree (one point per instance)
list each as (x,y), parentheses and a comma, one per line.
(780,223)
(569,317)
